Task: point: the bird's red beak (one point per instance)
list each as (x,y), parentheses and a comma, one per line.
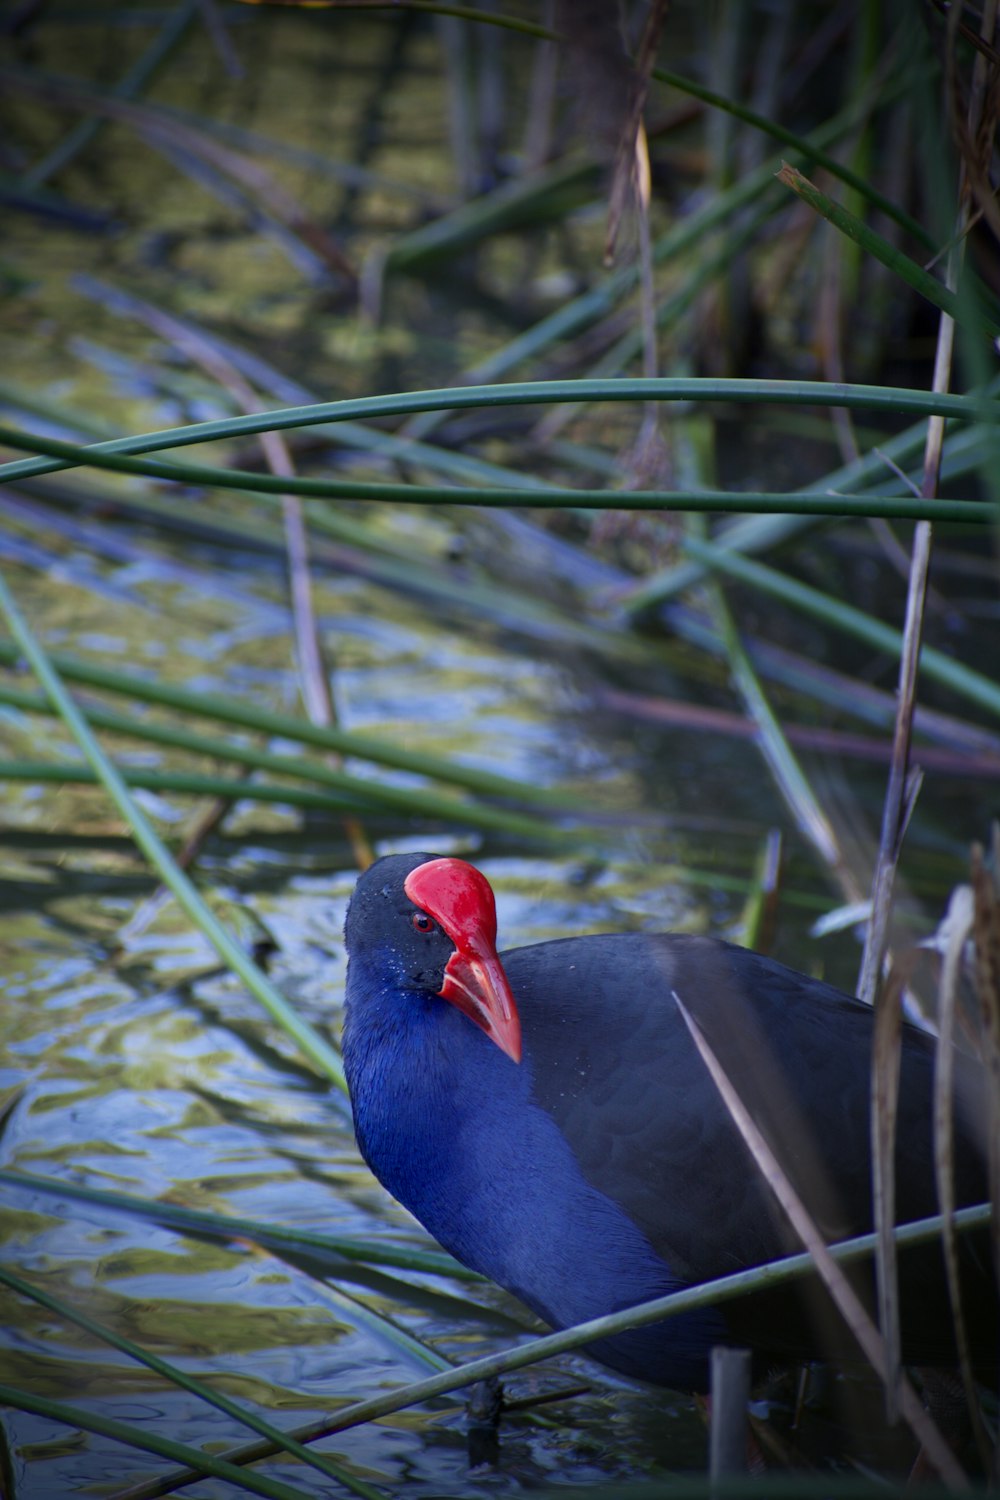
(460,900)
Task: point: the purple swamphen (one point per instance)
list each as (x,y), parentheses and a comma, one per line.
(544,1113)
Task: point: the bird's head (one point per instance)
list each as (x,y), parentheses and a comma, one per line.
(432,921)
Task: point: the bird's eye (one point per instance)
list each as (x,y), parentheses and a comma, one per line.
(422,922)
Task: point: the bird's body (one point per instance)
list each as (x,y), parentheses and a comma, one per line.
(603,1168)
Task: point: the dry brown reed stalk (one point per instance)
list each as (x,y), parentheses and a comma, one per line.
(831,1273)
(959,923)
(313,675)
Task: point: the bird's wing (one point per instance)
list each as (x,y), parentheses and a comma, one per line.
(615,1068)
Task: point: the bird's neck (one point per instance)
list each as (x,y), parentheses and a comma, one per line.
(448,1124)
(428,1088)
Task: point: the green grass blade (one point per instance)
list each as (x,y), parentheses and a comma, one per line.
(806,147)
(287,726)
(727,1288)
(188,783)
(135,1437)
(963,452)
(545,392)
(535,198)
(142,71)
(386,1329)
(757,919)
(318,1051)
(346,742)
(181,1378)
(359,795)
(943,669)
(226,1227)
(808,503)
(875,245)
(784,765)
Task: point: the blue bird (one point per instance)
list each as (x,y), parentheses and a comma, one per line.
(545,1115)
